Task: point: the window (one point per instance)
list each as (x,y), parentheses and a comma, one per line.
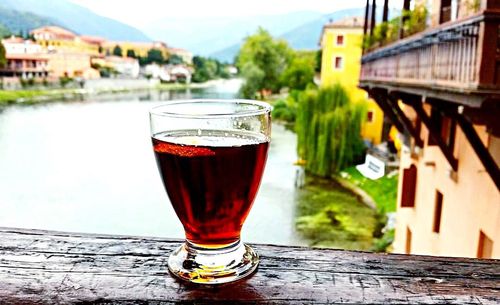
(437,212)
(446,127)
(338,62)
(409,187)
(485,247)
(369,116)
(408,241)
(340,40)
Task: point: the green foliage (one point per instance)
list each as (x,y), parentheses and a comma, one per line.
(3,59)
(384,242)
(208,68)
(319,58)
(26,83)
(330,216)
(175,59)
(328,130)
(415,21)
(4,31)
(155,56)
(474,5)
(64,81)
(265,56)
(300,71)
(131,53)
(254,80)
(384,191)
(285,110)
(117,51)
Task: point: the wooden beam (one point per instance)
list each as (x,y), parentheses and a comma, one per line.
(481,151)
(434,133)
(367,15)
(43,267)
(385,15)
(406,122)
(487,50)
(373,17)
(381,99)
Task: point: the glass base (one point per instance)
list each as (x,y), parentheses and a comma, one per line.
(213,266)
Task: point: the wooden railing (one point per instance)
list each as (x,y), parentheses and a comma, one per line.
(458,55)
(40,267)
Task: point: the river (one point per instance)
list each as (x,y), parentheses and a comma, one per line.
(88,166)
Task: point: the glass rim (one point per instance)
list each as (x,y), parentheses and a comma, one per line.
(263,108)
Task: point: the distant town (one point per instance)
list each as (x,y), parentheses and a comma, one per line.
(55,56)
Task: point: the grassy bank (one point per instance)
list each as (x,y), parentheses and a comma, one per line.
(384,191)
(31,96)
(9,97)
(331,216)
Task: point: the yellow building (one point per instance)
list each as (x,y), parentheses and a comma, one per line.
(140,48)
(341,43)
(54,38)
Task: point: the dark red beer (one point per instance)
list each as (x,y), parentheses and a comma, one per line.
(211,178)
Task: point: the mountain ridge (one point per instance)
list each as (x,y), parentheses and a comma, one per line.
(77,18)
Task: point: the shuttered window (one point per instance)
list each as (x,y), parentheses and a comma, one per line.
(409,186)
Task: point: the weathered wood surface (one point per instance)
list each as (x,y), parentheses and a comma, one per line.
(40,267)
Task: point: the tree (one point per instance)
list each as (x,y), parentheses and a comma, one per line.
(204,69)
(254,78)
(269,55)
(328,130)
(155,56)
(117,51)
(299,73)
(175,59)
(131,53)
(3,59)
(4,32)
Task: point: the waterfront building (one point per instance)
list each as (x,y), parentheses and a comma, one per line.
(71,64)
(123,66)
(441,88)
(55,38)
(341,56)
(25,59)
(186,55)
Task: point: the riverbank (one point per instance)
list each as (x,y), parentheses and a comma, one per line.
(32,96)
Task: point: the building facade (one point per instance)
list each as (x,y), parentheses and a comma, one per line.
(441,89)
(56,38)
(341,63)
(25,59)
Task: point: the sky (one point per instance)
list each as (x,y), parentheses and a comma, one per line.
(141,12)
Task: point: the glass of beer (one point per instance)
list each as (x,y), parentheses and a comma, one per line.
(211,155)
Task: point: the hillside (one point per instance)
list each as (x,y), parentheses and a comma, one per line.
(16,22)
(303,37)
(76,18)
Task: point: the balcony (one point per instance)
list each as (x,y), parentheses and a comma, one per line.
(461,57)
(449,72)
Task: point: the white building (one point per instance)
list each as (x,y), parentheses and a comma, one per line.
(17,45)
(124,66)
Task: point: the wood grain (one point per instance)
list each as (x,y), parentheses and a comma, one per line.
(41,267)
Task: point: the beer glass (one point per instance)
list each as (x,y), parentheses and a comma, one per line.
(211,156)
